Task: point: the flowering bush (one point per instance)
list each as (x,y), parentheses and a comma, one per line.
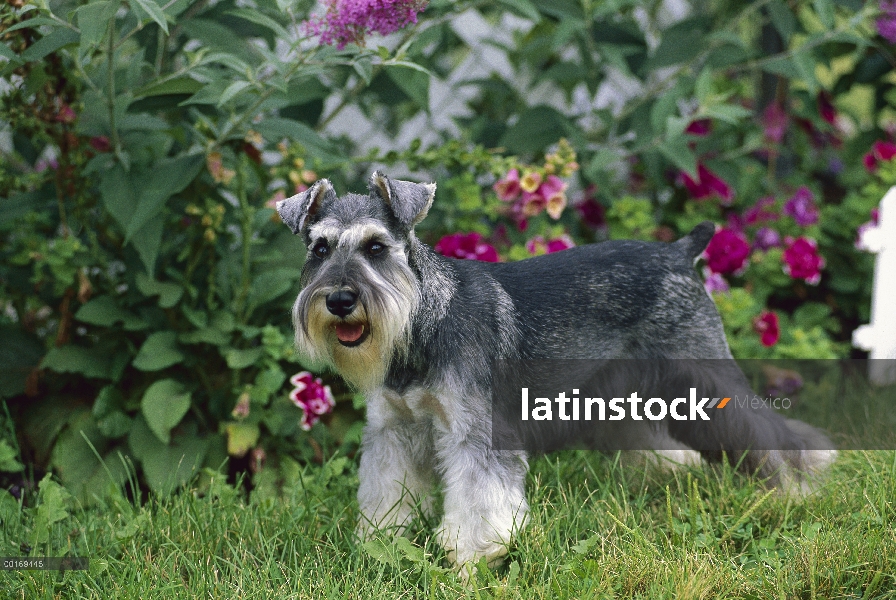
(145,276)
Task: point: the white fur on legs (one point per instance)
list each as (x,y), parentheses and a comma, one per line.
(485,502)
(392,481)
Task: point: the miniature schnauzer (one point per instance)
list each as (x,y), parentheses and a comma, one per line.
(418,334)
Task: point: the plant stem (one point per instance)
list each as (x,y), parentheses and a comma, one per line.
(110,82)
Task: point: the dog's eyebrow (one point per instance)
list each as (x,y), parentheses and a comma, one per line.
(357,234)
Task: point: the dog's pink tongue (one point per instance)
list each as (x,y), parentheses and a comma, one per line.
(349,333)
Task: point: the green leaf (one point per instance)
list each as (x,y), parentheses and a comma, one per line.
(379,551)
(75,359)
(104,311)
(271,284)
(240,359)
(782,66)
(413,82)
(7,53)
(523,8)
(241,437)
(147,242)
(50,43)
(782,19)
(277,128)
(170,466)
(262,19)
(231,91)
(156,185)
(8,456)
(52,508)
(825,11)
(115,190)
(168,293)
(154,11)
(730,113)
(678,152)
(164,404)
(114,425)
(206,335)
(158,352)
(537,128)
(93,21)
(177,85)
(364,67)
(680,43)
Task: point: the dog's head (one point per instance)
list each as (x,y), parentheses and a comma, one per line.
(359,293)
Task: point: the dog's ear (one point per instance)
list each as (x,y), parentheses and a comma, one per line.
(297,211)
(409,201)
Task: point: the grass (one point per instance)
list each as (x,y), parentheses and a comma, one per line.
(597,530)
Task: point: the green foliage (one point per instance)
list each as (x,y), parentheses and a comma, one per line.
(146,281)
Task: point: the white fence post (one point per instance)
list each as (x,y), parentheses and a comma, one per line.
(879,337)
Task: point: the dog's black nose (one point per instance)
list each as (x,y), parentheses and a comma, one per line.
(342,303)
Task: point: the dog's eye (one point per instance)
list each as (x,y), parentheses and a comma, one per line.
(375,248)
(320,250)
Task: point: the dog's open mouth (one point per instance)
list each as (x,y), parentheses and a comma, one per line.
(351,334)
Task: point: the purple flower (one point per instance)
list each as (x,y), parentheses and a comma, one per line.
(538,245)
(466,246)
(766,238)
(349,21)
(700,127)
(760,212)
(312,396)
(781,382)
(826,107)
(802,208)
(508,189)
(590,210)
(886,23)
(766,325)
(714,282)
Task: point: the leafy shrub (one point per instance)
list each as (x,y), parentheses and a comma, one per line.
(147,283)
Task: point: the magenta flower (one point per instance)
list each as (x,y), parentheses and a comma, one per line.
(826,107)
(774,123)
(312,396)
(802,208)
(467,246)
(802,260)
(766,238)
(727,251)
(761,211)
(508,189)
(708,185)
(100,143)
(592,212)
(880,152)
(766,325)
(699,127)
(714,282)
(886,23)
(538,245)
(349,21)
(532,204)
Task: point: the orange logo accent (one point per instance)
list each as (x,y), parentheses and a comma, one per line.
(723,402)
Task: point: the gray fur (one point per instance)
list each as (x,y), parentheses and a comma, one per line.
(435,325)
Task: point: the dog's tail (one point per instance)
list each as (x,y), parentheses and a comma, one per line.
(696,241)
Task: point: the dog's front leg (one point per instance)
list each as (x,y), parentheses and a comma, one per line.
(485,500)
(395,473)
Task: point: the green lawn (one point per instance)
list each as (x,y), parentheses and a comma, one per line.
(597,530)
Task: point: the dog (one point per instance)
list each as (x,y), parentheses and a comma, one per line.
(418,334)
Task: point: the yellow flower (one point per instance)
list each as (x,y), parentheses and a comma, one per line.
(530,181)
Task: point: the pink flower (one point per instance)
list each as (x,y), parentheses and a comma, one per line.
(241,410)
(708,185)
(727,251)
(886,23)
(538,245)
(66,114)
(802,261)
(532,204)
(699,127)
(100,143)
(766,325)
(553,190)
(349,21)
(774,123)
(759,213)
(467,246)
(714,282)
(766,238)
(880,152)
(508,189)
(802,208)
(826,107)
(312,396)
